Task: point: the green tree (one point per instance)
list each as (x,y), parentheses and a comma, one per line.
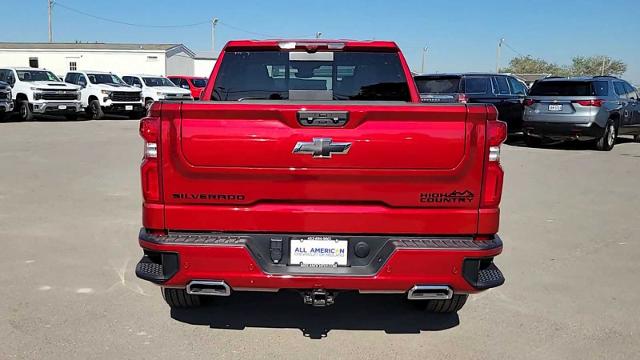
(530,65)
(596,65)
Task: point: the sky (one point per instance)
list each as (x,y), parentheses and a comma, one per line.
(460,35)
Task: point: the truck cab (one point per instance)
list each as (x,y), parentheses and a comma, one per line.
(155,88)
(103,92)
(39,91)
(192,83)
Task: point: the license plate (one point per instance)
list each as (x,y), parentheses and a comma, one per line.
(318,252)
(555,107)
(128,107)
(62,107)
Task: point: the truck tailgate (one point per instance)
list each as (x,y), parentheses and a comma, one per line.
(409,168)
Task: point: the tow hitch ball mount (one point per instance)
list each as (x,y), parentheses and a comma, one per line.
(318,297)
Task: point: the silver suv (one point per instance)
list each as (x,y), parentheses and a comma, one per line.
(583,108)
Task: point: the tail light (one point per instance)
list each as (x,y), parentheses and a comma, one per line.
(596,102)
(528,102)
(496,134)
(150,168)
(462,98)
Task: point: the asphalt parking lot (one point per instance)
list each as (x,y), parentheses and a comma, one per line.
(70,214)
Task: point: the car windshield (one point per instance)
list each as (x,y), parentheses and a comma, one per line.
(37,75)
(438,85)
(199,82)
(276,75)
(105,79)
(562,88)
(157,81)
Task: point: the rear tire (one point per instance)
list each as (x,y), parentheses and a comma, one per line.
(636,138)
(24,111)
(447,306)
(95,110)
(178,298)
(608,139)
(147,104)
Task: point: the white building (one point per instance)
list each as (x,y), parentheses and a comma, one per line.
(155,59)
(203,63)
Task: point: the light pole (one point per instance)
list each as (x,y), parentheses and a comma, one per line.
(214,22)
(318,35)
(50,6)
(424,55)
(498,54)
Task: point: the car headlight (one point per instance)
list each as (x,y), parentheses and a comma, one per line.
(35,89)
(37,96)
(78,95)
(161,95)
(106,92)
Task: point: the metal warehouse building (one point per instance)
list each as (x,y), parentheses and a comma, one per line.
(153,59)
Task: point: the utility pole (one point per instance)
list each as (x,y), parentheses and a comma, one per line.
(318,34)
(424,54)
(214,22)
(498,55)
(50,6)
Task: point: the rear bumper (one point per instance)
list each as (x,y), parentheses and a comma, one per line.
(563,130)
(393,265)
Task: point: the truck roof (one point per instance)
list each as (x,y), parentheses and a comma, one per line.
(24,68)
(295,43)
(91,72)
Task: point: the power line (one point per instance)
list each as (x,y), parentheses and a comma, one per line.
(156,26)
(512,49)
(245,30)
(57,3)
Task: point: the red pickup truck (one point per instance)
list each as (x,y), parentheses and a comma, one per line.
(312,166)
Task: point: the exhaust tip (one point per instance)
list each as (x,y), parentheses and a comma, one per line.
(209,288)
(430,292)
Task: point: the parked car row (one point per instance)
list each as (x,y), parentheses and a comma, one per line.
(595,108)
(31,92)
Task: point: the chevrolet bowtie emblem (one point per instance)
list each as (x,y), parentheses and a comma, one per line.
(321,148)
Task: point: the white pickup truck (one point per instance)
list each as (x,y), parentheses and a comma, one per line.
(39,91)
(103,92)
(156,88)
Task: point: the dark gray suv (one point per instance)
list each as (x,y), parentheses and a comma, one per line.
(583,108)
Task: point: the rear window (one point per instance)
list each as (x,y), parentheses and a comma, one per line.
(276,75)
(563,88)
(438,85)
(199,83)
(476,85)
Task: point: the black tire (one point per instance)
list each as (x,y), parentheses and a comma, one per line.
(95,110)
(71,117)
(532,141)
(447,306)
(178,298)
(24,111)
(608,139)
